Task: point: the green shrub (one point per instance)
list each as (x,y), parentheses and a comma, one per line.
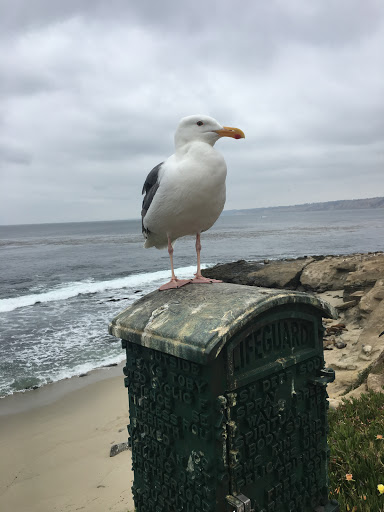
(356,449)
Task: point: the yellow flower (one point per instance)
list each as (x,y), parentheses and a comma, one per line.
(379,436)
(348,476)
(380,488)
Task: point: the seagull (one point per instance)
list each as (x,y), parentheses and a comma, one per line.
(185,194)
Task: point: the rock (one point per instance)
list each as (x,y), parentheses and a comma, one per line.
(344,366)
(328,343)
(378,365)
(118,448)
(336,329)
(346,264)
(372,328)
(334,403)
(346,305)
(369,269)
(357,295)
(276,274)
(375,382)
(328,274)
(372,298)
(117,300)
(357,392)
(366,349)
(280,274)
(340,344)
(364,357)
(236,272)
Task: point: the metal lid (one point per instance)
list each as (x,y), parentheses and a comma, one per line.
(194,322)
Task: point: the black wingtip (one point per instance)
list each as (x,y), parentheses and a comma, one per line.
(381,334)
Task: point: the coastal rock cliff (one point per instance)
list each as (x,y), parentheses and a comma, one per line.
(354,284)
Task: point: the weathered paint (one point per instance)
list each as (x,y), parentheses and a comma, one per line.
(194,322)
(215,373)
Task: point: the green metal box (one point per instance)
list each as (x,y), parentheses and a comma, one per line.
(227,399)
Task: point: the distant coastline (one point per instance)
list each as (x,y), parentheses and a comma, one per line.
(372,203)
(346,204)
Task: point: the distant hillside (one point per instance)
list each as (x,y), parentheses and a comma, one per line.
(348,204)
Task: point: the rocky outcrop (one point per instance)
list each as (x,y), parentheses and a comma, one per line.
(370,300)
(354,285)
(237,272)
(369,269)
(328,274)
(268,274)
(355,274)
(280,274)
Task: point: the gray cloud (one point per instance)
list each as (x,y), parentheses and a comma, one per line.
(91,92)
(10,154)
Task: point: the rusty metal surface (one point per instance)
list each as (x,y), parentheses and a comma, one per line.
(195,321)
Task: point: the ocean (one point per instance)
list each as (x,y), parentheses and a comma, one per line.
(61,284)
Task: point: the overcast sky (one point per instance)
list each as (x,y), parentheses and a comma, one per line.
(91,92)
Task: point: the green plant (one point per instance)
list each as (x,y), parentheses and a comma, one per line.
(357,449)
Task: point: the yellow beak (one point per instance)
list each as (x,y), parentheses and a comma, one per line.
(227,131)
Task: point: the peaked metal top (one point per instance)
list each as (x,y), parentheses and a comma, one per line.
(194,322)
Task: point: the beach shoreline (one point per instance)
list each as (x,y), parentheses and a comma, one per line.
(22,401)
(55,444)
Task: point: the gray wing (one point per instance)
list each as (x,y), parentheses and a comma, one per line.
(150,187)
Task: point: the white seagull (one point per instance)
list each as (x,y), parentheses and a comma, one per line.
(186,194)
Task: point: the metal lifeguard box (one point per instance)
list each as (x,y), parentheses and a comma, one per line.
(227,399)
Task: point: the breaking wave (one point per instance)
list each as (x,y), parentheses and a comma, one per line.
(73,289)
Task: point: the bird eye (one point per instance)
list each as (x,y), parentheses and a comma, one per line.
(199,123)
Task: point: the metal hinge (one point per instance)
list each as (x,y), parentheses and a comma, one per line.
(239,503)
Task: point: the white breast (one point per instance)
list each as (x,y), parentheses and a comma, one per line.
(191,194)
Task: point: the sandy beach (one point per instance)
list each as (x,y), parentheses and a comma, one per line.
(55,442)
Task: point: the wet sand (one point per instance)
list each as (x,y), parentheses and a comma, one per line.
(55,442)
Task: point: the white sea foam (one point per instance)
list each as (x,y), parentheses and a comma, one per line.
(41,379)
(73,289)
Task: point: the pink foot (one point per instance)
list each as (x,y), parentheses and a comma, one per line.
(202,280)
(174,283)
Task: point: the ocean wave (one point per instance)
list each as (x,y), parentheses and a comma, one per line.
(73,289)
(26,383)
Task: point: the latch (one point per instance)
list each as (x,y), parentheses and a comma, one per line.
(239,503)
(327,375)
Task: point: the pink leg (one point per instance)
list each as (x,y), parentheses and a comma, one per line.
(199,279)
(174,282)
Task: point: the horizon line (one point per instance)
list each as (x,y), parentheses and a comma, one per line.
(231,210)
